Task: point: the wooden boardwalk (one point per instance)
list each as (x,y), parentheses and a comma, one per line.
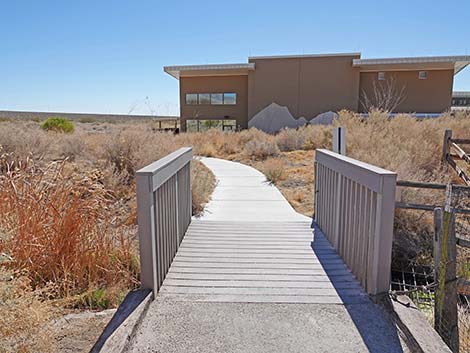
(275,262)
(251,275)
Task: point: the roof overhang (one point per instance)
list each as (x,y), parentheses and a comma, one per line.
(461,94)
(209,70)
(300,56)
(456,63)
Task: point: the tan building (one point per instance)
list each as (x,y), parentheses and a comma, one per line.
(276,91)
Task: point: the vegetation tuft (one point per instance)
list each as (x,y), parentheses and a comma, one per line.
(58,125)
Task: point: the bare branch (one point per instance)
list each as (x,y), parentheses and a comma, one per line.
(386,96)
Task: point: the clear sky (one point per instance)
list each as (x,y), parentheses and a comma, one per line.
(108,56)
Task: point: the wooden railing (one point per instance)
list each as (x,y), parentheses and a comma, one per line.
(354,207)
(453,152)
(163,213)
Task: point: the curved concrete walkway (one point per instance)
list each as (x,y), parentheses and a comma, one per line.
(243,194)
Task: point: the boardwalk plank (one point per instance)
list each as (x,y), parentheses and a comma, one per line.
(257,284)
(259,263)
(260,277)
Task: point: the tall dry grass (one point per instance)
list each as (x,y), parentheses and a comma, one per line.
(60,229)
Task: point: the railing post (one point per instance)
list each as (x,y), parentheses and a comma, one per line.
(339,140)
(146,220)
(446,146)
(445,267)
(379,282)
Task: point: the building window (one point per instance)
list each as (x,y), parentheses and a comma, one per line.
(204,98)
(196,125)
(423,75)
(217,98)
(211,98)
(230,98)
(381,76)
(191,98)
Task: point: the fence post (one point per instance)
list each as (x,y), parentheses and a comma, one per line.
(379,283)
(445,260)
(339,140)
(446,145)
(146,221)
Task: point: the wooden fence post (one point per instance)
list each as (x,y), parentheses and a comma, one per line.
(446,146)
(339,140)
(445,261)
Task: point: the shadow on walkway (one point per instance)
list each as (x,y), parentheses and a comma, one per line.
(370,320)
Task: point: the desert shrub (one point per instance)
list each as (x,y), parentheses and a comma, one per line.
(316,136)
(207,150)
(290,140)
(58,125)
(70,146)
(88,120)
(274,168)
(60,229)
(25,139)
(261,149)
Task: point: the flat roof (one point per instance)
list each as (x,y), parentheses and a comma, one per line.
(302,56)
(461,94)
(459,61)
(195,70)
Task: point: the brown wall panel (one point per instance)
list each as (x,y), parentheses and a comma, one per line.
(307,86)
(432,95)
(215,84)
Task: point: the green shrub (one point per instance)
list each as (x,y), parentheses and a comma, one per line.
(58,124)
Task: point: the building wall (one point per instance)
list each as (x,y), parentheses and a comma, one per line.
(215,84)
(432,95)
(307,86)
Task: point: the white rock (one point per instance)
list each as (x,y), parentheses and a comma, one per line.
(326,118)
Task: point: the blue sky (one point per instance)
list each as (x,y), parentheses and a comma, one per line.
(107,56)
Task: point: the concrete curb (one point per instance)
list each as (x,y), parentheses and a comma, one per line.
(124,323)
(413,327)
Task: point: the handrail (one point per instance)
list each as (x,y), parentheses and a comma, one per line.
(354,207)
(163,213)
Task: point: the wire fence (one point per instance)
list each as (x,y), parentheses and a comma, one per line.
(461,201)
(449,312)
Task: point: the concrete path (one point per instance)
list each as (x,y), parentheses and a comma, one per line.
(243,194)
(252,276)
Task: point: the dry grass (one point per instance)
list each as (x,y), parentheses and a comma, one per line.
(202,189)
(24,316)
(273,168)
(60,230)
